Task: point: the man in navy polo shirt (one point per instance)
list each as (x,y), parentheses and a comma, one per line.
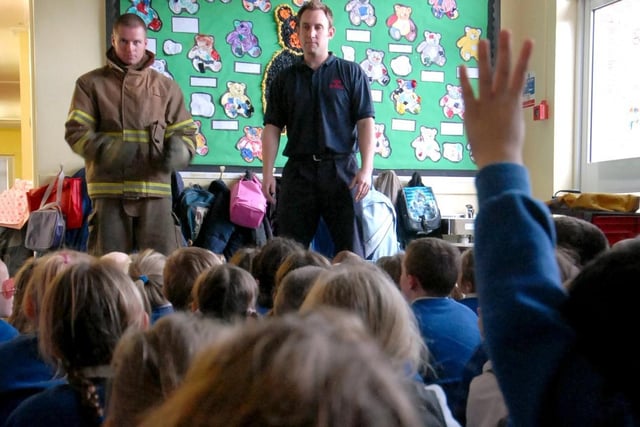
(325,105)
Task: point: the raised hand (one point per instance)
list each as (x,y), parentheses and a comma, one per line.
(494,120)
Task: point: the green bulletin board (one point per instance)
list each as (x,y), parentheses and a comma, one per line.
(223,53)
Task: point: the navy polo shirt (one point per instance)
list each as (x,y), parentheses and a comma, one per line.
(320,108)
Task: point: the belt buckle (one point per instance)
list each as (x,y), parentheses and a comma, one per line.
(316,158)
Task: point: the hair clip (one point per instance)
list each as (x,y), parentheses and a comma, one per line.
(144,279)
(8,288)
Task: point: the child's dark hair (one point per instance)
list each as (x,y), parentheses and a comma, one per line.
(226,292)
(243,257)
(266,263)
(435,263)
(585,239)
(596,309)
(467,270)
(299,259)
(392,265)
(293,289)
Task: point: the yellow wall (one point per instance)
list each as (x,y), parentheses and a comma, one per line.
(10,145)
(67,41)
(549,144)
(25,167)
(79,29)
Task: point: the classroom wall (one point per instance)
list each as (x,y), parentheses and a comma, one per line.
(26,167)
(548,149)
(10,146)
(67,41)
(77,29)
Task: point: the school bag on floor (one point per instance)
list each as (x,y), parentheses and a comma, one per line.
(193,204)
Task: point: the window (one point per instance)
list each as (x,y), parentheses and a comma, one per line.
(610,105)
(6,172)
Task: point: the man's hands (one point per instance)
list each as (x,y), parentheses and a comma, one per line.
(176,154)
(494,120)
(269,188)
(361,184)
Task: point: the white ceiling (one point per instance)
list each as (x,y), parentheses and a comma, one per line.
(14,18)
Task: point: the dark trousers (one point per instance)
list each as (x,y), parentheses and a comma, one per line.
(310,190)
(128,226)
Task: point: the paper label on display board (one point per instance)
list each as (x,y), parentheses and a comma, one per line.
(529,92)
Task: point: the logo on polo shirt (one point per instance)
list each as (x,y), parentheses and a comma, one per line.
(336,84)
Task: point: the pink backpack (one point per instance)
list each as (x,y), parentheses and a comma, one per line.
(248,205)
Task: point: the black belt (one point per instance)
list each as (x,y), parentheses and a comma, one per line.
(318,157)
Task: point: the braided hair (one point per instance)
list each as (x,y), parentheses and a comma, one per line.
(85,311)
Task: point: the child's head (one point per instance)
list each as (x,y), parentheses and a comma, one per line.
(149,365)
(294,287)
(118,259)
(346,256)
(226,292)
(368,292)
(146,269)
(626,241)
(44,271)
(392,264)
(266,263)
(601,308)
(85,311)
(580,236)
(467,281)
(299,259)
(430,268)
(18,318)
(180,271)
(243,257)
(315,370)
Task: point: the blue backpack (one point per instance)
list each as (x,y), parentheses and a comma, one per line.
(193,204)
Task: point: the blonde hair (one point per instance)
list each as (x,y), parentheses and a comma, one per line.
(315,370)
(146,269)
(149,365)
(226,292)
(119,259)
(181,269)
(367,291)
(85,311)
